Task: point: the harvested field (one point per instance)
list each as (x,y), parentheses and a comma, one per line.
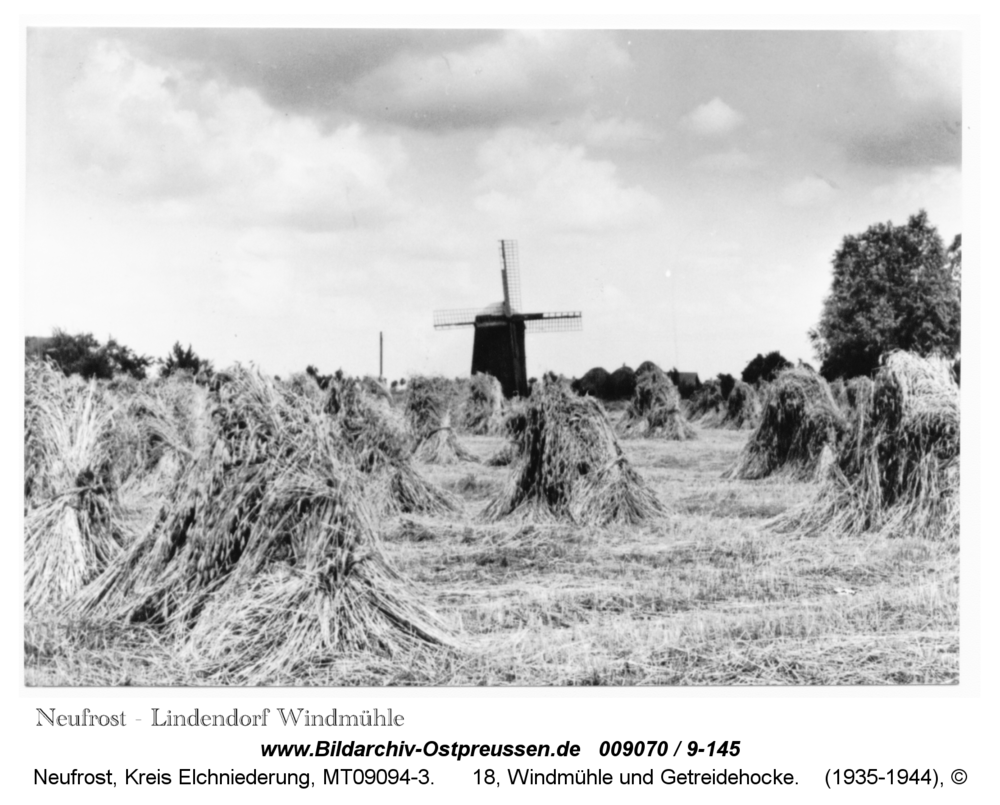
(707,594)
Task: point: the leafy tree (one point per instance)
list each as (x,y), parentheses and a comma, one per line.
(125,361)
(955,261)
(78,355)
(894,287)
(726,383)
(185,360)
(84,355)
(765,367)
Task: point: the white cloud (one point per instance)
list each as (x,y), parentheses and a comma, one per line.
(524,74)
(810,191)
(712,119)
(530,180)
(153,136)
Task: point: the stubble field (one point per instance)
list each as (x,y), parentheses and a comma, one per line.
(707,595)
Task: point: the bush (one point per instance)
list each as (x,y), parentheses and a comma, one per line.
(185,360)
(83,355)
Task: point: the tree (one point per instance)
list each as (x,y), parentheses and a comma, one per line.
(185,360)
(955,261)
(726,383)
(84,355)
(765,367)
(894,287)
(124,361)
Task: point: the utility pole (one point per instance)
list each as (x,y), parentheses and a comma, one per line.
(380,375)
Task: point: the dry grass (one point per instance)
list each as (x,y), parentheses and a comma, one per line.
(655,410)
(898,465)
(707,595)
(374,437)
(78,447)
(799,424)
(484,408)
(428,411)
(265,546)
(441,446)
(742,408)
(569,465)
(707,406)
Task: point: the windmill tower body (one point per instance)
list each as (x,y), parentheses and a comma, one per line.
(498,347)
(498,350)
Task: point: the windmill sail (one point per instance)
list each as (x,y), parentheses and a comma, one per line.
(564,322)
(510,271)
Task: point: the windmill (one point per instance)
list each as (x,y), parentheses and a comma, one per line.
(498,347)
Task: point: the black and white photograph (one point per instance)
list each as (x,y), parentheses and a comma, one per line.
(492,357)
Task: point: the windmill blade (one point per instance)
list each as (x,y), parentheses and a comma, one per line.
(510,269)
(464,317)
(564,322)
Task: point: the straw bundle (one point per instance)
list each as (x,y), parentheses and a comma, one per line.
(515,420)
(73,520)
(742,408)
(857,406)
(838,390)
(858,392)
(272,500)
(306,384)
(707,405)
(655,410)
(898,468)
(375,439)
(441,446)
(483,412)
(570,465)
(799,420)
(429,415)
(170,417)
(426,404)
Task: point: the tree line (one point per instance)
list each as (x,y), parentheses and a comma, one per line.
(83,354)
(893,288)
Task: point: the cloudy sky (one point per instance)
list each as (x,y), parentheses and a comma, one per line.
(281,196)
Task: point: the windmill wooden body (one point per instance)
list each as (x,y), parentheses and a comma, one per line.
(498,347)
